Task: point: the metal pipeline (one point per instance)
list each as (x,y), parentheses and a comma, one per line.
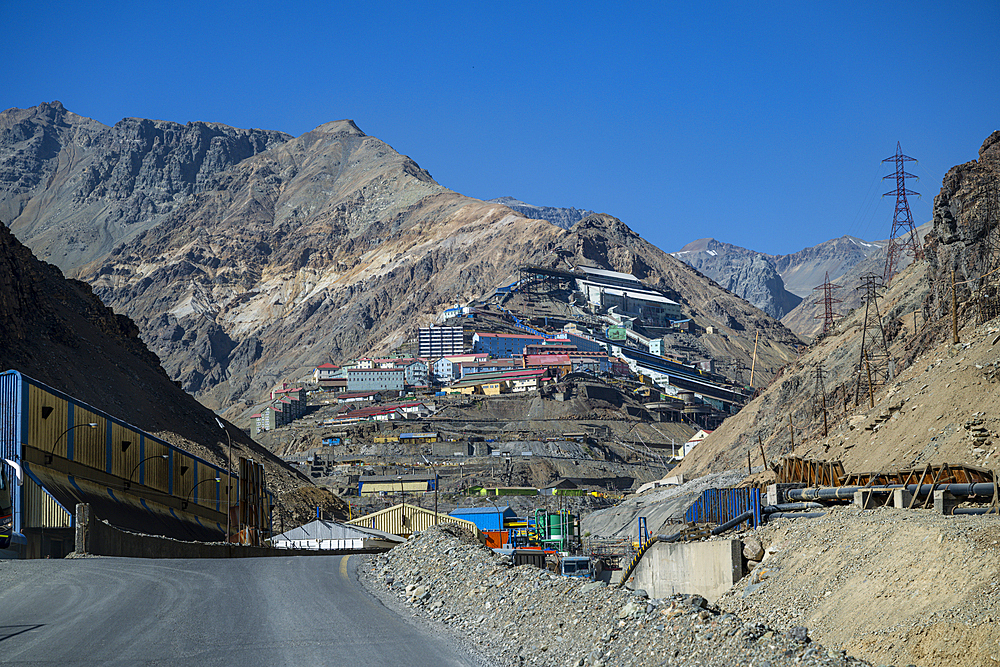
(970,510)
(715,531)
(791,507)
(847,492)
(835,493)
(733,522)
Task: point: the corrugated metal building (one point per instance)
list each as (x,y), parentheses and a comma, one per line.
(485,518)
(58,451)
(404,520)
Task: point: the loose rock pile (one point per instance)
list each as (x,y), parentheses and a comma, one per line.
(526,616)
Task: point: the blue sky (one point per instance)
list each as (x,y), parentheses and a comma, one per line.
(759,124)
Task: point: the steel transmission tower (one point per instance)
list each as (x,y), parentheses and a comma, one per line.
(904,236)
(874,364)
(827,300)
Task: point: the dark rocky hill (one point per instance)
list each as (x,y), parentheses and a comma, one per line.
(57,331)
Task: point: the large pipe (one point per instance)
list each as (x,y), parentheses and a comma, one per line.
(847,492)
(732,522)
(715,531)
(833,493)
(970,510)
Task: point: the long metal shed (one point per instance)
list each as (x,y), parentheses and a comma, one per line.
(58,451)
(405,519)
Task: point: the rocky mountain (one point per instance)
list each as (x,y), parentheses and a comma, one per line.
(807,318)
(802,271)
(57,331)
(941,403)
(785,286)
(746,273)
(331,245)
(560,217)
(72,188)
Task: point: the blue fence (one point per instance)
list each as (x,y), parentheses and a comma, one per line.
(720,505)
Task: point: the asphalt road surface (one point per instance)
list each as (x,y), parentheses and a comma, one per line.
(308,610)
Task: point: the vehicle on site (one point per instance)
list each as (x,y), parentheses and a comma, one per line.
(583,567)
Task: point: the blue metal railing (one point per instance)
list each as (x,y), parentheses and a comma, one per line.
(721,505)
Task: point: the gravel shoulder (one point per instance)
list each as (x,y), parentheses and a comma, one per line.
(525,616)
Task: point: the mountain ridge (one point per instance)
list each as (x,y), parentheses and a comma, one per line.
(331,245)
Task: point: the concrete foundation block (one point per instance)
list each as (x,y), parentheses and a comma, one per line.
(901,499)
(865,499)
(776,492)
(708,569)
(944,502)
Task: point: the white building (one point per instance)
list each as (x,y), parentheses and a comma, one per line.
(693,442)
(440,341)
(334,536)
(449,368)
(635,300)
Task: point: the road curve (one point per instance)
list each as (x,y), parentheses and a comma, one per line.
(254,611)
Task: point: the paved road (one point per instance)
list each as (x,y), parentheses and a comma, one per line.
(256,611)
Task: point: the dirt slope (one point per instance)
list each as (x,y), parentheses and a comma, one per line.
(890,586)
(940,407)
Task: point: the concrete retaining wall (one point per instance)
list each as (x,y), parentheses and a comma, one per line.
(99,538)
(707,569)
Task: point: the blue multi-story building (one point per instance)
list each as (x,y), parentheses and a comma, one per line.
(503,345)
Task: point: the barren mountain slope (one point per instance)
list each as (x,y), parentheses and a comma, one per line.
(56,331)
(71,187)
(333,245)
(804,270)
(942,397)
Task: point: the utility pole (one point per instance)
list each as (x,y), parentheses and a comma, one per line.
(903,237)
(821,394)
(827,300)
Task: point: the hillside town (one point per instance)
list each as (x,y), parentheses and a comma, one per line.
(606,338)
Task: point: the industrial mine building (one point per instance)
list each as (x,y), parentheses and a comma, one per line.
(58,451)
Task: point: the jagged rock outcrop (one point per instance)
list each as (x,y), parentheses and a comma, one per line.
(560,217)
(72,188)
(964,220)
(746,273)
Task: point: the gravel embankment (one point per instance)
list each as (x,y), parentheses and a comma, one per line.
(892,585)
(526,616)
